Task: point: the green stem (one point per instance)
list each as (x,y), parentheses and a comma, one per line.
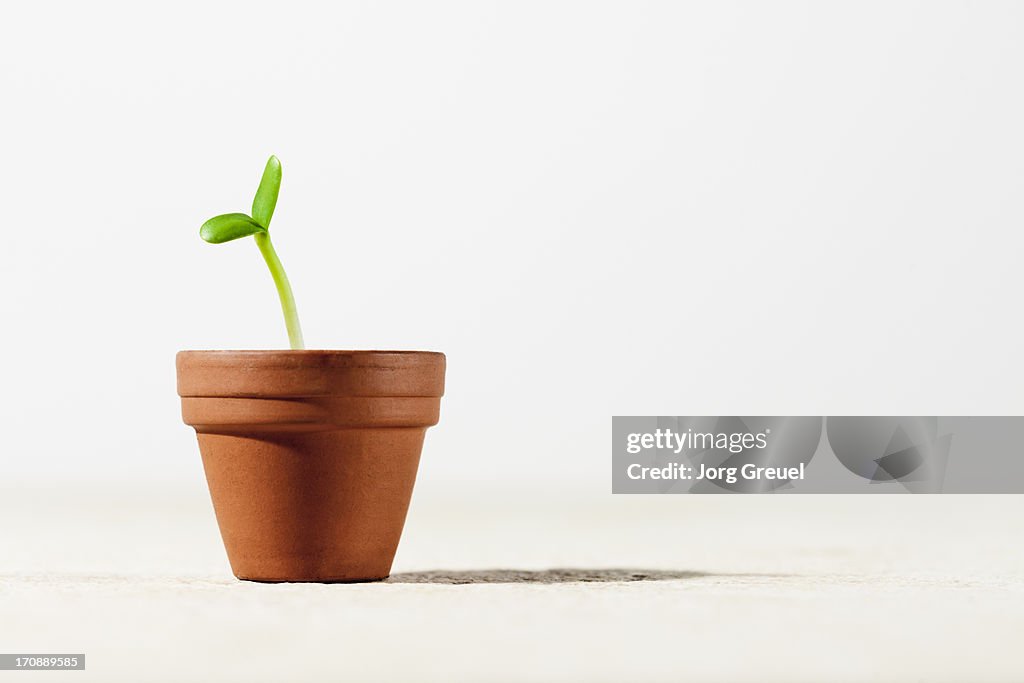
(284,289)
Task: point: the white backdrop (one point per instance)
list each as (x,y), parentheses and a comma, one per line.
(592,208)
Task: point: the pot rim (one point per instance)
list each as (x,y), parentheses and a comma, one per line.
(310,372)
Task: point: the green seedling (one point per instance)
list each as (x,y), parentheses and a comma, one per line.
(233,226)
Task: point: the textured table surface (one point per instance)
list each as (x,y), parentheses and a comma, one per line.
(525,587)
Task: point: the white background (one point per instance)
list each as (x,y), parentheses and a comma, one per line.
(592,208)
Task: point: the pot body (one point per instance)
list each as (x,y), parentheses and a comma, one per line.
(310,456)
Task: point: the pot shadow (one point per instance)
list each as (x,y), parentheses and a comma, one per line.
(610,575)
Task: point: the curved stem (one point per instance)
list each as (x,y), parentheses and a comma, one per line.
(284,289)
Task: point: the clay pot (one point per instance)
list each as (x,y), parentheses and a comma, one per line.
(310,456)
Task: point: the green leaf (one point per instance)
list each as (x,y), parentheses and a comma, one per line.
(266,196)
(229,226)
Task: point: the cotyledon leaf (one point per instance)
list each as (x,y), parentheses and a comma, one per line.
(266,196)
(229,226)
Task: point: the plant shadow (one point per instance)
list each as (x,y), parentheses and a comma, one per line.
(611,575)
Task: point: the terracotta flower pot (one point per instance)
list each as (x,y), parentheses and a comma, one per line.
(310,456)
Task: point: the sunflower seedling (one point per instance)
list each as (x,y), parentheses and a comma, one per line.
(233,226)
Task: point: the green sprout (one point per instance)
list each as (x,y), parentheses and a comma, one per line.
(232,226)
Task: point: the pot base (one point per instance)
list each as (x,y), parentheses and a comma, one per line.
(272,581)
(312,506)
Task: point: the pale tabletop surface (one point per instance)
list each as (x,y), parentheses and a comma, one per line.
(523,587)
